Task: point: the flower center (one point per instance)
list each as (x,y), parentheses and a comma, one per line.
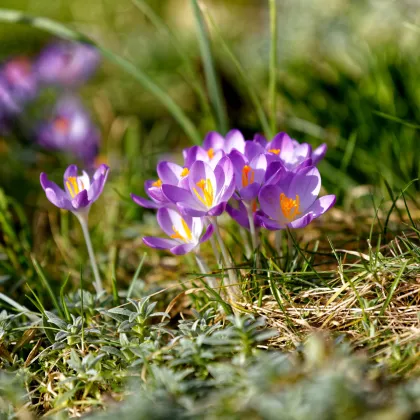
(210,153)
(248,176)
(275,151)
(61,124)
(289,207)
(207,192)
(73,186)
(185,172)
(177,234)
(157,183)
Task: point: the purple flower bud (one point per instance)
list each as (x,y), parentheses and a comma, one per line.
(207,191)
(70,129)
(293,204)
(185,232)
(67,63)
(80,191)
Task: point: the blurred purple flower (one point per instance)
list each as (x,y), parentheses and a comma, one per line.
(205,191)
(79,190)
(67,63)
(293,204)
(70,129)
(169,173)
(185,232)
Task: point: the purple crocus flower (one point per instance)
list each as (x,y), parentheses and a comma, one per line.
(70,129)
(20,77)
(293,204)
(67,63)
(207,191)
(80,191)
(291,153)
(185,232)
(238,212)
(215,146)
(169,173)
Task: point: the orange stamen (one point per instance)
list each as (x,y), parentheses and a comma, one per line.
(208,192)
(275,151)
(157,183)
(61,124)
(185,172)
(246,180)
(210,153)
(72,186)
(177,234)
(289,207)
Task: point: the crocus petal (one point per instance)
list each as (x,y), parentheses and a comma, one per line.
(319,153)
(58,199)
(169,172)
(182,249)
(250,192)
(155,193)
(239,213)
(306,184)
(192,212)
(280,141)
(226,192)
(253,149)
(269,197)
(234,141)
(81,200)
(180,195)
(201,171)
(97,187)
(217,210)
(268,223)
(260,139)
(102,170)
(259,166)
(143,202)
(213,140)
(207,234)
(275,171)
(54,193)
(301,222)
(71,171)
(159,243)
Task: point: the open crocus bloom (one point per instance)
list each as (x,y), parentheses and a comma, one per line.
(79,190)
(207,191)
(185,232)
(294,204)
(169,173)
(291,153)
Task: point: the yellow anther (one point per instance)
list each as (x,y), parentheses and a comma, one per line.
(157,183)
(177,234)
(185,172)
(72,186)
(248,176)
(208,192)
(210,153)
(61,124)
(289,207)
(275,151)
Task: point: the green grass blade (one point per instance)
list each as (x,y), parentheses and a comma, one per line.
(212,82)
(191,73)
(46,285)
(253,96)
(273,64)
(393,288)
(136,275)
(63,302)
(60,30)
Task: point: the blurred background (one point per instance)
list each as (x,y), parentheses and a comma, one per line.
(347,75)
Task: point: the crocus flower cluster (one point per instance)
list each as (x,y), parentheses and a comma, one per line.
(261,184)
(63,66)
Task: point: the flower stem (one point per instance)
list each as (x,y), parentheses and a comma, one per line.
(203,267)
(253,231)
(233,289)
(98,282)
(273,64)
